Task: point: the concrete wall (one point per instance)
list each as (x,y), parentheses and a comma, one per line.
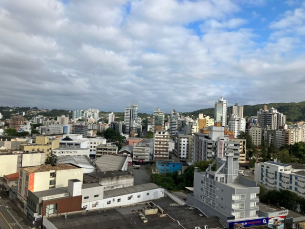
(33,159)
(91,192)
(129,199)
(117,182)
(47,224)
(207,210)
(62,176)
(41,181)
(8,164)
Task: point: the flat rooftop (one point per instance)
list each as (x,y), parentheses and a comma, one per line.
(187,216)
(267,208)
(45,168)
(91,185)
(71,148)
(51,192)
(124,218)
(130,190)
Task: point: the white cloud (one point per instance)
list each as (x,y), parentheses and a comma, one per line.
(95,54)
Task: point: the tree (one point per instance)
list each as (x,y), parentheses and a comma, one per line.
(51,159)
(149,134)
(10,132)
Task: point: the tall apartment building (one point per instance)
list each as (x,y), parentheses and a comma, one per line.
(225,193)
(161,145)
(221,111)
(77,114)
(131,118)
(237,125)
(277,175)
(81,129)
(111,117)
(173,126)
(16,121)
(208,144)
(1,116)
(92,114)
(256,134)
(44,177)
(184,147)
(236,110)
(63,120)
(158,120)
(271,119)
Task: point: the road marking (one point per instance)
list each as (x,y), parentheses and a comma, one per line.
(14,219)
(6,221)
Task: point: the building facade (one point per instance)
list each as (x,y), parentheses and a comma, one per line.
(161,145)
(221,111)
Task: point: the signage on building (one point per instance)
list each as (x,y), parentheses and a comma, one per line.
(276,221)
(39,217)
(249,223)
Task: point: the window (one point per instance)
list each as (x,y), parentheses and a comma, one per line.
(97,195)
(147,194)
(86,197)
(109,202)
(139,196)
(119,200)
(52,174)
(252,196)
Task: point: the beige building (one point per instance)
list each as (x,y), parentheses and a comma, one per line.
(242,150)
(204,121)
(42,144)
(44,177)
(161,145)
(256,134)
(8,164)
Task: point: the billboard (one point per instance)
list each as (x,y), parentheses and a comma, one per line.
(250,222)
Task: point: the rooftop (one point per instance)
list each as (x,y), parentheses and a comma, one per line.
(81,161)
(277,163)
(110,162)
(130,190)
(126,218)
(45,168)
(91,185)
(297,165)
(51,192)
(12,177)
(94,177)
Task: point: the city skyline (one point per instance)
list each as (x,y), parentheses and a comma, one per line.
(181,55)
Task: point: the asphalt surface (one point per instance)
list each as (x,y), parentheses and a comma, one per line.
(8,217)
(140,175)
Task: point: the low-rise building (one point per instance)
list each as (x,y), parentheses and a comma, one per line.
(60,152)
(277,175)
(143,151)
(110,180)
(106,149)
(44,177)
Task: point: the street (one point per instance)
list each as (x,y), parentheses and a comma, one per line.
(9,219)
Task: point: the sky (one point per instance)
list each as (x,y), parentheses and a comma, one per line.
(172,54)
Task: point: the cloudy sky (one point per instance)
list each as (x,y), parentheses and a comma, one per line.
(172,54)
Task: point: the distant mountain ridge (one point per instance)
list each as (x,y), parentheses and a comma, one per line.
(294,112)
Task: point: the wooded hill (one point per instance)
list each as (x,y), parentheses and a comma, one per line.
(294,111)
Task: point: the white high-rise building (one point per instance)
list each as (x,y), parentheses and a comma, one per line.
(111,117)
(237,125)
(91,114)
(221,111)
(131,118)
(1,116)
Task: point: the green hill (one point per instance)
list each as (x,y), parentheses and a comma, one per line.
(294,111)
